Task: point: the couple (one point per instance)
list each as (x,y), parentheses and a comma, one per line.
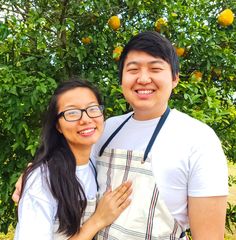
(153,171)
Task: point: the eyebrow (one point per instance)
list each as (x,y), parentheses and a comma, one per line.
(88,105)
(151,62)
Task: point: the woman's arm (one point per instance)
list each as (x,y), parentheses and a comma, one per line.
(36,210)
(110,206)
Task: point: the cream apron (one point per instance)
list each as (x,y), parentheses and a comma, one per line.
(147,217)
(89,210)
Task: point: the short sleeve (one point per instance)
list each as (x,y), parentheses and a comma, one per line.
(36,210)
(208,167)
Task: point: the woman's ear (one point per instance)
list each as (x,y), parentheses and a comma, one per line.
(58,127)
(175,81)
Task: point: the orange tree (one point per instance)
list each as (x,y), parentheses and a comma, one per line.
(44,42)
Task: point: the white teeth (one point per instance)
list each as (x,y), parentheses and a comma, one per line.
(87,131)
(144,91)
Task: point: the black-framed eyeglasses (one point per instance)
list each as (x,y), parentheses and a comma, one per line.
(72,115)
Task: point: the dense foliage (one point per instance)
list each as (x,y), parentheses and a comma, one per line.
(43,42)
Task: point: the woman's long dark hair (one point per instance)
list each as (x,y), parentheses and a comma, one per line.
(55,155)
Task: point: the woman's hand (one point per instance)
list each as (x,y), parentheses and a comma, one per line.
(112,204)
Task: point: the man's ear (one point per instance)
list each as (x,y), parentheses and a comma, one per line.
(175,81)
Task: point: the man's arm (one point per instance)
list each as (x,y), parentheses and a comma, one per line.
(17,191)
(207,217)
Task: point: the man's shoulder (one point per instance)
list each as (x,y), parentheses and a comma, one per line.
(186,118)
(189,124)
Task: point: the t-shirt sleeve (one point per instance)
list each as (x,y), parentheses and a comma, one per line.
(35,211)
(208,167)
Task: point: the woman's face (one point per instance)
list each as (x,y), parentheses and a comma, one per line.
(82,133)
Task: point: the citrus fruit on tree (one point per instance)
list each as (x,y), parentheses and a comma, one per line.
(86,40)
(180,51)
(226,18)
(117,52)
(160,23)
(114,22)
(196,76)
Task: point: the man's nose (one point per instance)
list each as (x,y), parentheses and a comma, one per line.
(144,77)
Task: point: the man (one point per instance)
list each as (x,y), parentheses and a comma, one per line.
(176,163)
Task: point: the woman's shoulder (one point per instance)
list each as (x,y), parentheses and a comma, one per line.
(37,176)
(38,184)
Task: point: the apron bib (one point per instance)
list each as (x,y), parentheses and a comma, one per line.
(147,217)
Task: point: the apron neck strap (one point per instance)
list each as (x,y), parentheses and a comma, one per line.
(152,140)
(95,172)
(156,132)
(113,135)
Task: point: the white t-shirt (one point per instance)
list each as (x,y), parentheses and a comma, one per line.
(37,208)
(187,157)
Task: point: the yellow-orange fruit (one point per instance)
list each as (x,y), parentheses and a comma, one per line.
(196,76)
(114,22)
(117,52)
(180,51)
(86,40)
(160,23)
(226,18)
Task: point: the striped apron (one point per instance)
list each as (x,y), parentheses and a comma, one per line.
(147,217)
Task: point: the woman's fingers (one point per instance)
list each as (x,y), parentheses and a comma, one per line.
(122,189)
(113,203)
(124,205)
(120,194)
(120,200)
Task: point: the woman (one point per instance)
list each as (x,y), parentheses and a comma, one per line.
(59,188)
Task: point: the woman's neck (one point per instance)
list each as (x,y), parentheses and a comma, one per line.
(81,155)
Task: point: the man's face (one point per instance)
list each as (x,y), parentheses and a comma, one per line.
(147,83)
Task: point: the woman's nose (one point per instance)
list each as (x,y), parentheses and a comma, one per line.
(85,118)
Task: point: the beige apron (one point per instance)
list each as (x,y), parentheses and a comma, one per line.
(147,217)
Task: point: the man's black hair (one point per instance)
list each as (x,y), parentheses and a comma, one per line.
(154,44)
